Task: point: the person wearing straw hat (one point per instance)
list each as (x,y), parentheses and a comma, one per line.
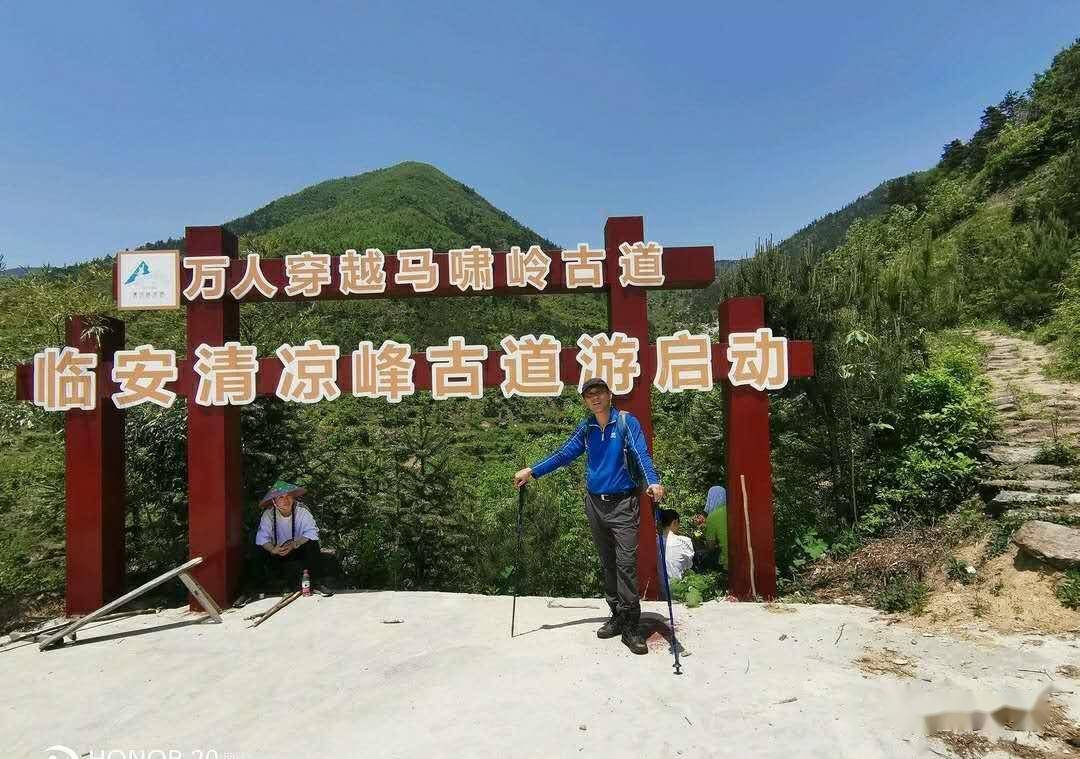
(288,534)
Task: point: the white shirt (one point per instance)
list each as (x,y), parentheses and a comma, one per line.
(303,526)
(678,555)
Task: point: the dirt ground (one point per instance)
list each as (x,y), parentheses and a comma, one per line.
(1010,593)
(385,674)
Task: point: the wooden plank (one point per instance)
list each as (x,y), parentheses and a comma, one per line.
(201,596)
(276,608)
(97,614)
(684,267)
(34,635)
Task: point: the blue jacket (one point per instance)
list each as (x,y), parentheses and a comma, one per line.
(605,465)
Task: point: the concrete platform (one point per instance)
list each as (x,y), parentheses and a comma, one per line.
(338,677)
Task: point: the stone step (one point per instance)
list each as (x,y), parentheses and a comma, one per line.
(1020,454)
(1029,437)
(1027,424)
(1011,499)
(1034,472)
(1031,486)
(1047,410)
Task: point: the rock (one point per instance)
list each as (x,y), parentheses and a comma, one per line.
(1040,472)
(1003,454)
(1055,544)
(1032,486)
(1010,499)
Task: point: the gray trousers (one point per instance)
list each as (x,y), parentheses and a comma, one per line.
(614,527)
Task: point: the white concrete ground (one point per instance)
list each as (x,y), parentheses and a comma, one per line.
(330,677)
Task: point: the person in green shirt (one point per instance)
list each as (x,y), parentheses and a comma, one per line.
(716,523)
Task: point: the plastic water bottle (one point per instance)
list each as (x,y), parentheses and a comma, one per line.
(305,584)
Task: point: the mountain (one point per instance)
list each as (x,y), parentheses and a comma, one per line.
(19,271)
(407,205)
(828,231)
(1018,166)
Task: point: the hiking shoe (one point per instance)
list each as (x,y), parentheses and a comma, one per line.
(322,590)
(612,627)
(631,636)
(632,639)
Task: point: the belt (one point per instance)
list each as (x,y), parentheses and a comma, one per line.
(614,496)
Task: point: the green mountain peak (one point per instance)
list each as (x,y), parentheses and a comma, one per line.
(409,204)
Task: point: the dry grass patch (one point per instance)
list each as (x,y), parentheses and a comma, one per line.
(1012,593)
(966,745)
(885,661)
(888,572)
(1059,730)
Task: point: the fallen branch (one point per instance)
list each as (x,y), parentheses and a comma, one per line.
(1037,672)
(276,608)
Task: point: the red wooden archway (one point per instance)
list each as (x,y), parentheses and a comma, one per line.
(95,441)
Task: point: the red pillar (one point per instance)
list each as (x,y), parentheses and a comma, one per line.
(749,468)
(94,480)
(215,496)
(628,313)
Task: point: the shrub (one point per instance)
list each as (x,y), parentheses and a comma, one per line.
(1057,453)
(959,571)
(903,593)
(1030,267)
(1066,325)
(699,586)
(941,423)
(1016,151)
(1002,533)
(1068,590)
(949,202)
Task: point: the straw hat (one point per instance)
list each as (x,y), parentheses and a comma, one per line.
(280,488)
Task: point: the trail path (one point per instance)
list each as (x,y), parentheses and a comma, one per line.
(1034,410)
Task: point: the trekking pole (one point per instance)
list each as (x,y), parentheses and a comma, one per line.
(667,589)
(520,523)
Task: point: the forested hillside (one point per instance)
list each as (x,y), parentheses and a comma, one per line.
(886,436)
(417,495)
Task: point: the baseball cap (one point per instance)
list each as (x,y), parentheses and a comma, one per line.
(594,382)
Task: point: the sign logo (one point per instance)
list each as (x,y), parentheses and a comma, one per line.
(150,279)
(140,270)
(65,752)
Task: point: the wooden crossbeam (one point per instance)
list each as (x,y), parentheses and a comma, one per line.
(685,267)
(800,364)
(181,571)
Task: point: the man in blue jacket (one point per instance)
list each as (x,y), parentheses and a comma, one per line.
(611,501)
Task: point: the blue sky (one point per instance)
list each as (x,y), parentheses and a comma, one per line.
(720,123)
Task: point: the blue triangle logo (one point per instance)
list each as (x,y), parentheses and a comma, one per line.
(140,270)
